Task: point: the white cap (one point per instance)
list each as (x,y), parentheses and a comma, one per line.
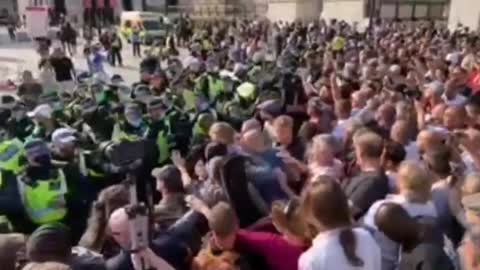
(43,110)
(453,58)
(62,136)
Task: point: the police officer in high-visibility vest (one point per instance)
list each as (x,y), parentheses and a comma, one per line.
(45,122)
(42,187)
(11,207)
(82,181)
(215,83)
(11,152)
(159,129)
(201,127)
(256,70)
(243,106)
(134,128)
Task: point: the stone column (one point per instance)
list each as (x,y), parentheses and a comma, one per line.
(348,10)
(291,10)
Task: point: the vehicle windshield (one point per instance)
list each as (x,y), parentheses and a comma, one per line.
(152,25)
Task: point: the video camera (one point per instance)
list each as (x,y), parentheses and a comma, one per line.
(128,157)
(125,154)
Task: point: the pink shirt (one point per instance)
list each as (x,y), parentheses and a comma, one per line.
(277,252)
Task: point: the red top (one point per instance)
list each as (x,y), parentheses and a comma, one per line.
(474,81)
(277,252)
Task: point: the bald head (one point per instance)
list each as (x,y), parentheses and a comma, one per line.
(118,225)
(253,141)
(400,132)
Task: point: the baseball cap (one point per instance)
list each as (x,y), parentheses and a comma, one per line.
(472,202)
(43,110)
(62,136)
(36,148)
(453,58)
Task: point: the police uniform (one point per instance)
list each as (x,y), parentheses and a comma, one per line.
(159,132)
(11,152)
(123,131)
(243,106)
(42,190)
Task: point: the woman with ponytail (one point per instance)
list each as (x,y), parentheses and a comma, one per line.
(336,244)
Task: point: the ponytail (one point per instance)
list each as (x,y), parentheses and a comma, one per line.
(348,242)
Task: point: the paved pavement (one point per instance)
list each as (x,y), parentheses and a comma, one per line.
(18,56)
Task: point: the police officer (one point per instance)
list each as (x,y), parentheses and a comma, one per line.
(201,128)
(42,187)
(215,84)
(242,106)
(11,152)
(159,129)
(133,128)
(81,189)
(44,121)
(12,162)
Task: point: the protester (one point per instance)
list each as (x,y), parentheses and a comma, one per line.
(136,41)
(420,246)
(64,69)
(30,90)
(335,243)
(116,50)
(310,146)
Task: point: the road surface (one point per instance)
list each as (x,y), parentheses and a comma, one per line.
(18,56)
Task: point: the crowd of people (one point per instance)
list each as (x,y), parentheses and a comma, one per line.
(276,146)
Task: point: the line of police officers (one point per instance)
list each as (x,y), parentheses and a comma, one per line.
(53,161)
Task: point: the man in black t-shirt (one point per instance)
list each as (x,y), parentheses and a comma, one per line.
(64,70)
(371,184)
